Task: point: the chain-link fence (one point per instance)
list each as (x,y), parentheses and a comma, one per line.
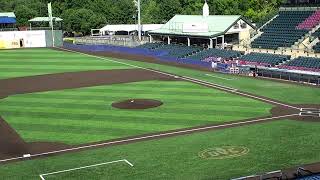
(119,40)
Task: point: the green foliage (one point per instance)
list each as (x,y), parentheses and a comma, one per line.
(96,13)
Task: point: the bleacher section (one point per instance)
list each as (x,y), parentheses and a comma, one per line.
(315,177)
(263,59)
(311,22)
(303,63)
(227,54)
(283,31)
(316,47)
(179,50)
(199,57)
(151,45)
(316,33)
(174,50)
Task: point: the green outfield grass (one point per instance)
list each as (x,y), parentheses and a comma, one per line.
(273,146)
(289,93)
(85,115)
(29,62)
(18,63)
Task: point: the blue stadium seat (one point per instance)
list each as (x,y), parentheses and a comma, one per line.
(282,31)
(270,59)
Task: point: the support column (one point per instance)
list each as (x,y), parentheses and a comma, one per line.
(216,41)
(211,43)
(150,39)
(169,40)
(188,41)
(223,42)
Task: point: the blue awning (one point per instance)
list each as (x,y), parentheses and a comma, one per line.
(7,20)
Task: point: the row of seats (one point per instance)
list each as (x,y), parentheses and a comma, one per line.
(282,31)
(263,58)
(208,55)
(190,52)
(316,47)
(310,22)
(174,50)
(215,53)
(307,63)
(179,50)
(151,45)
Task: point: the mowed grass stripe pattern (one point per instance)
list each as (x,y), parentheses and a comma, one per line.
(274,145)
(28,62)
(85,115)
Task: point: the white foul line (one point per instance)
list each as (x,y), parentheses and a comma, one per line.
(150,136)
(228,79)
(186,78)
(263,99)
(84,167)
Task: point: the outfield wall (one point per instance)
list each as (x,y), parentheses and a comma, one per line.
(29,39)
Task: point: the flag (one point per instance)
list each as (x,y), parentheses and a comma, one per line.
(50,14)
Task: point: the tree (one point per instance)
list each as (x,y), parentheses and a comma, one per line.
(24,14)
(168,8)
(150,12)
(82,15)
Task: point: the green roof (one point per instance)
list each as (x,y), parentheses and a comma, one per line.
(44,19)
(217,25)
(8,14)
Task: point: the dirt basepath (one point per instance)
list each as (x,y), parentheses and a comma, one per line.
(73,80)
(11,144)
(9,138)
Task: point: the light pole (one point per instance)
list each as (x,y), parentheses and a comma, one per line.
(139,20)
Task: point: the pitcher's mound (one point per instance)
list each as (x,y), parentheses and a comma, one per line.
(137,104)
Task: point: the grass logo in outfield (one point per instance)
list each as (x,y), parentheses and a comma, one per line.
(224,152)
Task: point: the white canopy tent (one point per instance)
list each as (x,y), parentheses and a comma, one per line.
(44,20)
(112,29)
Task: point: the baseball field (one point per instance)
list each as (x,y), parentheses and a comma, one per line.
(70,115)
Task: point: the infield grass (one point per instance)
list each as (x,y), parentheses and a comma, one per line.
(85,115)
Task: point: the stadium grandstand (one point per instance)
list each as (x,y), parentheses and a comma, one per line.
(287,44)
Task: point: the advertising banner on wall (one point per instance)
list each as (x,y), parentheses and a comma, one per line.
(20,39)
